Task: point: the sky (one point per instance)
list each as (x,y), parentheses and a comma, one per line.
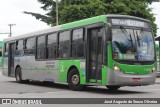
(11,12)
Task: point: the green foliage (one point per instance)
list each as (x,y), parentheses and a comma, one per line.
(73,10)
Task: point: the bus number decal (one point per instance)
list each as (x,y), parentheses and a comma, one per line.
(61,67)
(50,64)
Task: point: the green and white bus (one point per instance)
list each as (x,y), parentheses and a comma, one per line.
(106,50)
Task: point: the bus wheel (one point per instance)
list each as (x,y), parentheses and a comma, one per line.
(113,88)
(18,75)
(74,80)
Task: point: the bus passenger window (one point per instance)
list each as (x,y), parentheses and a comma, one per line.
(6,47)
(64,39)
(41,47)
(30,43)
(19,45)
(30,46)
(77,46)
(51,46)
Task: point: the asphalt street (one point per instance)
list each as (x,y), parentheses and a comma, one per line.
(11,89)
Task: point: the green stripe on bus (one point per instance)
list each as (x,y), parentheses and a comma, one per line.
(102,18)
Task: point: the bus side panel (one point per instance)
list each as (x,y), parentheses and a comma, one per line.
(110,64)
(47,71)
(82,69)
(20,61)
(5,66)
(52,67)
(104,74)
(64,66)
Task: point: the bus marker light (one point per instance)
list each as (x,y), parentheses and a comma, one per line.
(116,68)
(154,69)
(93,68)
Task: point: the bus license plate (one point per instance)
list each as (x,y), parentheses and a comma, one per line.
(136,79)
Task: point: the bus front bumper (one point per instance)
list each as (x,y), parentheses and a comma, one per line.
(121,79)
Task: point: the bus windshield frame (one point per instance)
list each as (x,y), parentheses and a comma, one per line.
(140,47)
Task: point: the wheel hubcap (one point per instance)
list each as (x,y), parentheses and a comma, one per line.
(75,79)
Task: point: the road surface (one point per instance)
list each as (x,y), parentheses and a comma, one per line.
(10,89)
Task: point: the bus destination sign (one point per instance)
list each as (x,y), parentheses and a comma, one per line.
(129,22)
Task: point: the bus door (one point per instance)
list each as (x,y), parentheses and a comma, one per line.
(11,59)
(95,54)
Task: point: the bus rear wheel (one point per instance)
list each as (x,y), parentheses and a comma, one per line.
(74,80)
(113,88)
(18,75)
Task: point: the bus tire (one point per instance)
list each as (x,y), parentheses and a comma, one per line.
(18,75)
(74,80)
(113,88)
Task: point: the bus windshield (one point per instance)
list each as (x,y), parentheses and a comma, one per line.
(130,44)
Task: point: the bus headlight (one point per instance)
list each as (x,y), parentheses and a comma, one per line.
(153,69)
(116,68)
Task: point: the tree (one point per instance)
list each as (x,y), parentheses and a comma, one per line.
(73,10)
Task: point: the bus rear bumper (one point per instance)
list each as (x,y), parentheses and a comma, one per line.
(121,79)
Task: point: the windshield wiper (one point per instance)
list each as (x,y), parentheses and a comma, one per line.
(128,36)
(138,39)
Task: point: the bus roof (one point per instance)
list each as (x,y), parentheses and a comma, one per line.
(101,18)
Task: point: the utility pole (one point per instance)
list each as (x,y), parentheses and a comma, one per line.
(10,25)
(57,12)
